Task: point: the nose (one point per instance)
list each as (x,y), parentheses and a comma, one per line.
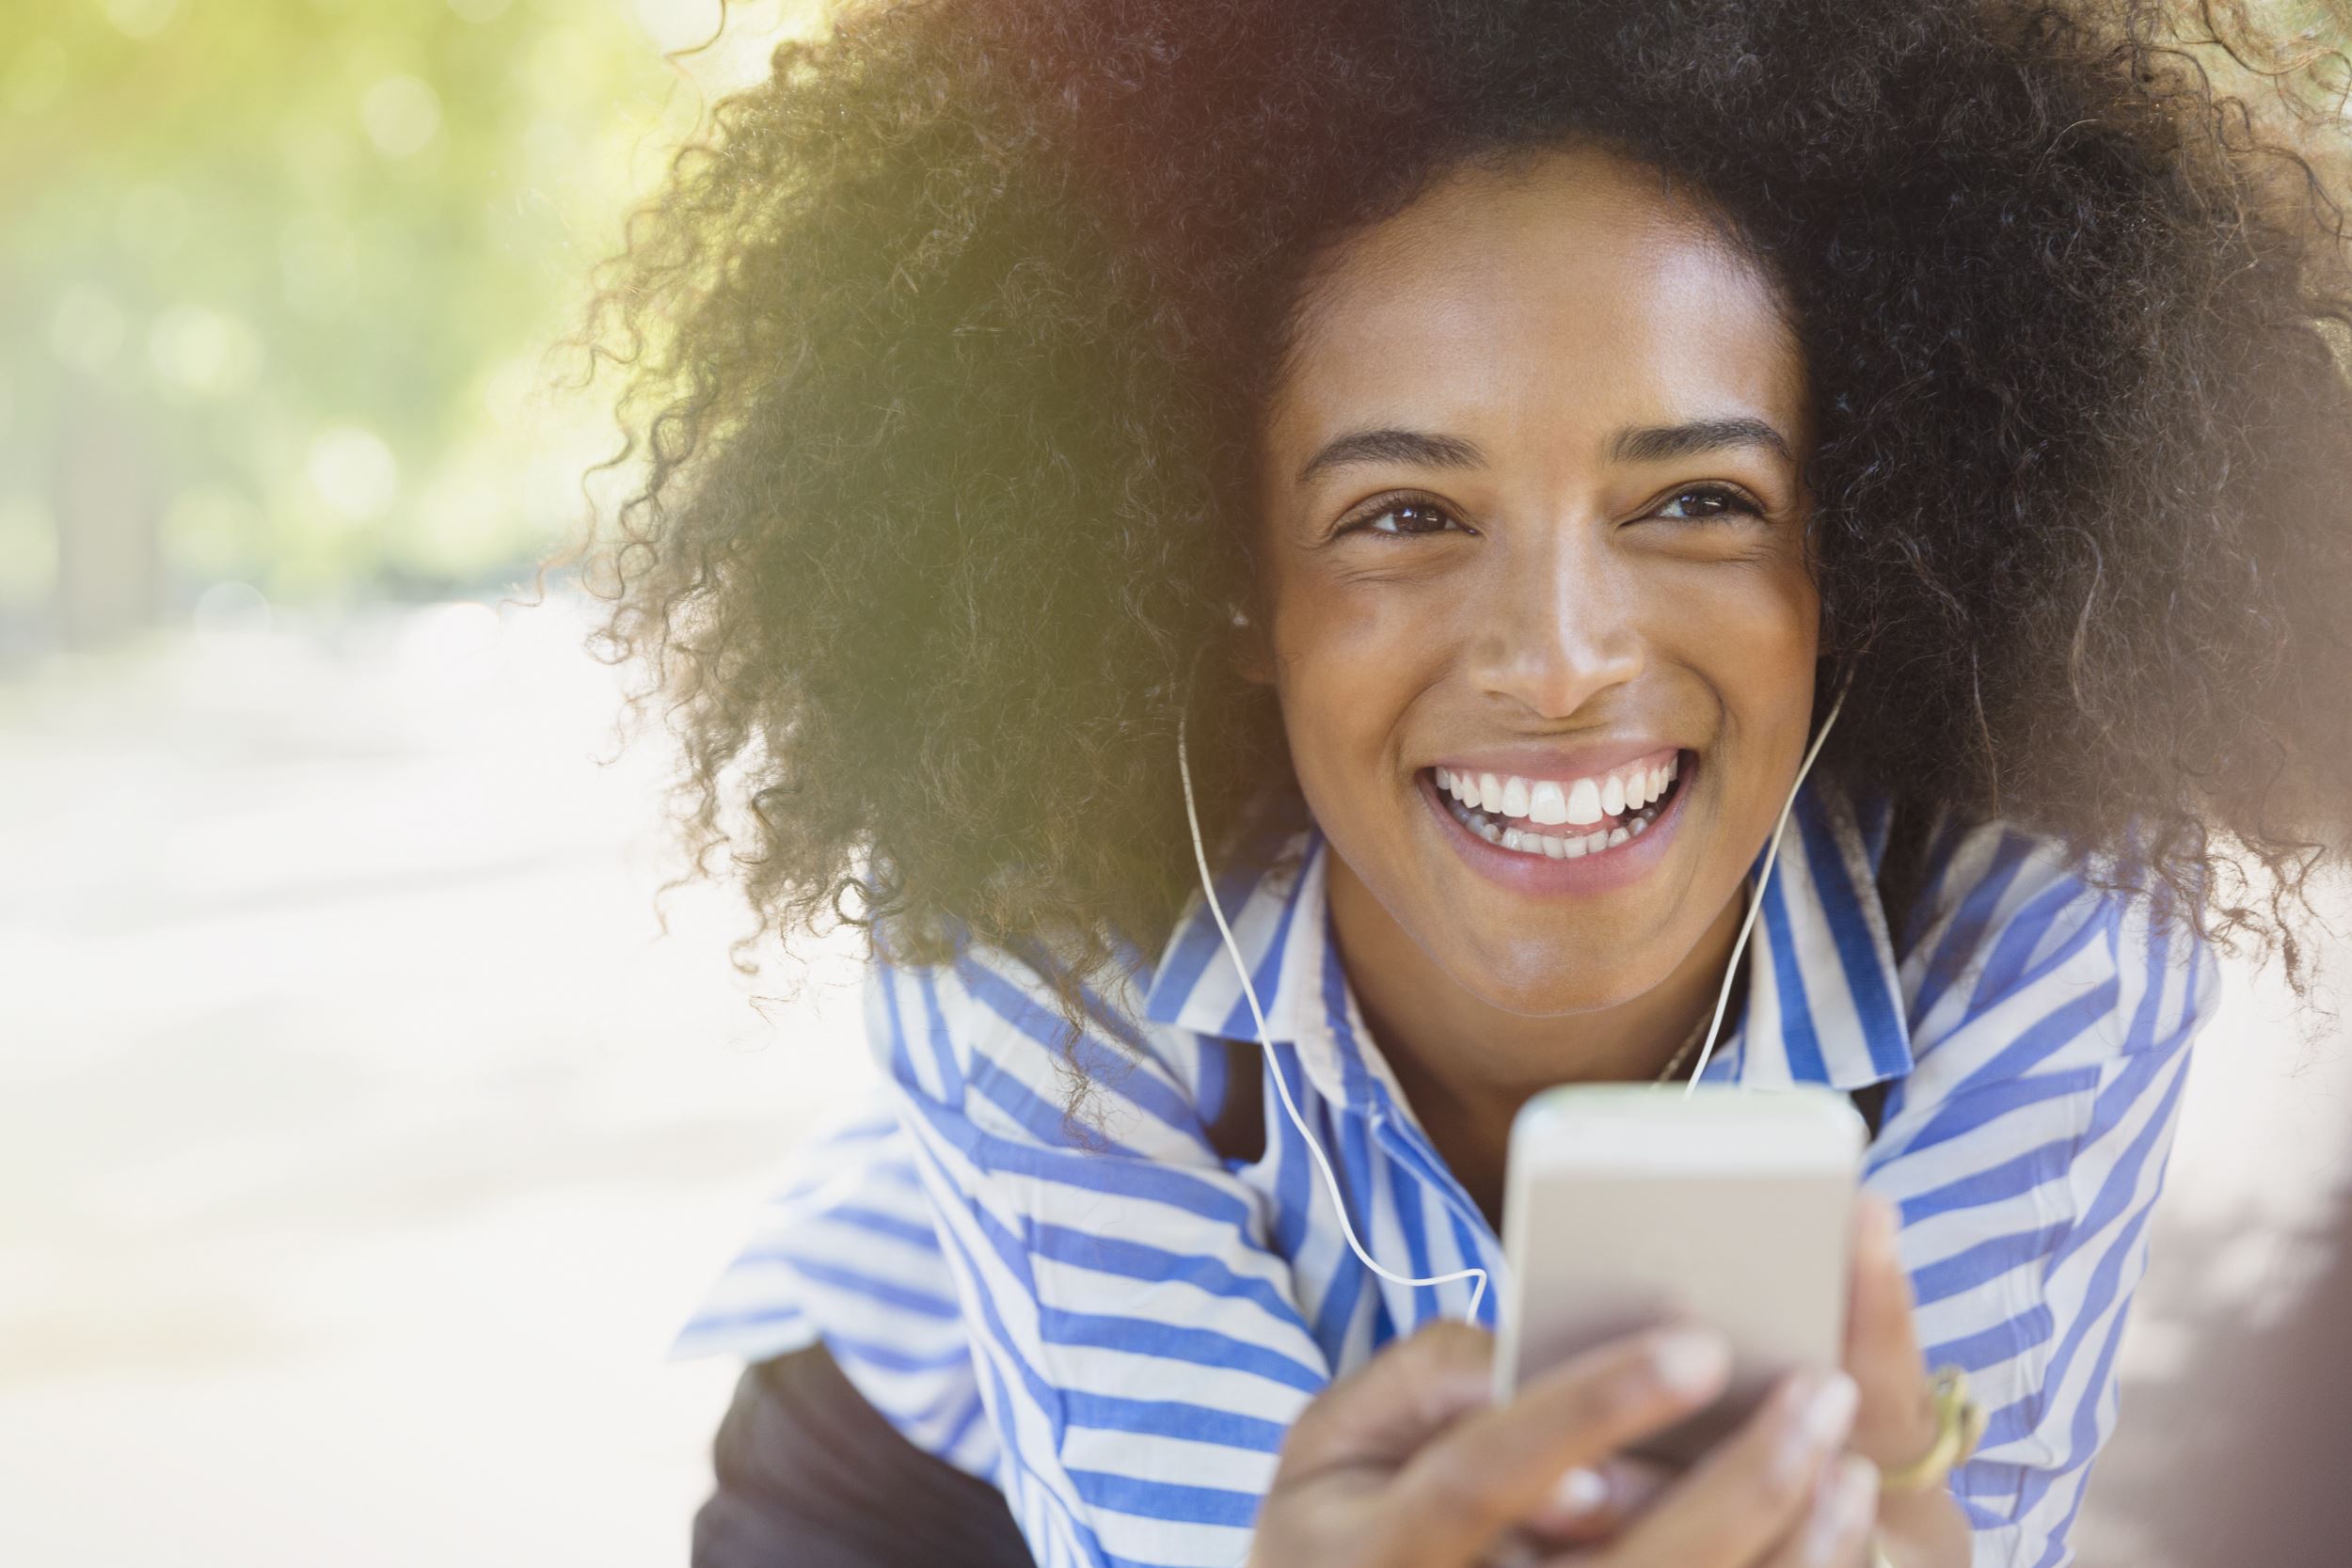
(1556,627)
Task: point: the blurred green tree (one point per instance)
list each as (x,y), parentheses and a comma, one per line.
(276,274)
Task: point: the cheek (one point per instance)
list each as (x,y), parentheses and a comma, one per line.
(1348,660)
(1757,648)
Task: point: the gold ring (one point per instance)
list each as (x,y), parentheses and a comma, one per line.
(1959,1427)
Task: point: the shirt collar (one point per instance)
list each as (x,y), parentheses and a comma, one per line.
(1824,1002)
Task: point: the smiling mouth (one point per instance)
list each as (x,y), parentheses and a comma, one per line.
(1548,820)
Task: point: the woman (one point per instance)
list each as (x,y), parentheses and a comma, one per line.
(1497,438)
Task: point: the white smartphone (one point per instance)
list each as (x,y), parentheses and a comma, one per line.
(1625,1206)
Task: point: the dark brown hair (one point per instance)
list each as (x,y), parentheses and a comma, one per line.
(941,352)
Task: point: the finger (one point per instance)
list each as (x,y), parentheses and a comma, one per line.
(1594,1502)
(1896,1419)
(1750,1490)
(1390,1406)
(1496,1467)
(1836,1530)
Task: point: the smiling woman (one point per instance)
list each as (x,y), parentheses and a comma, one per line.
(1501,439)
(1566,550)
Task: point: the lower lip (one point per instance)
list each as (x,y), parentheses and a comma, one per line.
(1542,876)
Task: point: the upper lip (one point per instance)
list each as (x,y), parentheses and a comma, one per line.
(1561,763)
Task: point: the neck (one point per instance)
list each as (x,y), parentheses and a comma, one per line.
(1465,1099)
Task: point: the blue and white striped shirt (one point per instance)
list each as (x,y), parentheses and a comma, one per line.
(1115,1324)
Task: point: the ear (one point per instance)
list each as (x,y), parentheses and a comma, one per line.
(1253,649)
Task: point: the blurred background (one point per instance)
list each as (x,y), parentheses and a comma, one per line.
(369,1116)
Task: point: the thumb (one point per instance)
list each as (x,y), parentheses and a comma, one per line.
(1388,1409)
(1895,1420)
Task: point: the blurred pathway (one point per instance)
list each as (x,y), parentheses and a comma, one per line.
(361,1143)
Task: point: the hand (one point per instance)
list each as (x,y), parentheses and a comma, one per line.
(1407,1463)
(1896,1423)
(1778,1492)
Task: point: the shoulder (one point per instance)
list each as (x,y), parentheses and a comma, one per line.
(2049,1002)
(2012,934)
(983,1035)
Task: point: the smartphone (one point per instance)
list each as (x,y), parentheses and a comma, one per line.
(1625,1206)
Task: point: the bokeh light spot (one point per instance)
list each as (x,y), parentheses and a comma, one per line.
(353,473)
(401,115)
(140,19)
(678,24)
(203,353)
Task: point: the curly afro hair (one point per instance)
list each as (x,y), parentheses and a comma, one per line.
(942,350)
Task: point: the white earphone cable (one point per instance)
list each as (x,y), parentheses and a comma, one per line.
(1763,879)
(1323,1162)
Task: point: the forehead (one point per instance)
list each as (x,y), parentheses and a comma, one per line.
(1565,290)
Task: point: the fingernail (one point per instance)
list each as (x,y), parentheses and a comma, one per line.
(1692,1361)
(1849,1494)
(1578,1492)
(1857,1491)
(1830,1409)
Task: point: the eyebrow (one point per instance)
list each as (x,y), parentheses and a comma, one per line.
(1665,442)
(1412,446)
(1646,444)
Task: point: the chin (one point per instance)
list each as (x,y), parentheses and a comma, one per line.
(1555,979)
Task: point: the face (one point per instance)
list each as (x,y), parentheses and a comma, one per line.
(1540,619)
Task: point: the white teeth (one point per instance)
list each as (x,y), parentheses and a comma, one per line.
(1616,806)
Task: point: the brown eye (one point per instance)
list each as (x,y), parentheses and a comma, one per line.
(1704,502)
(1408,518)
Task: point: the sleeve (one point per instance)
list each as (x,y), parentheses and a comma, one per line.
(808,1473)
(1140,1352)
(2050,1030)
(846,1255)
